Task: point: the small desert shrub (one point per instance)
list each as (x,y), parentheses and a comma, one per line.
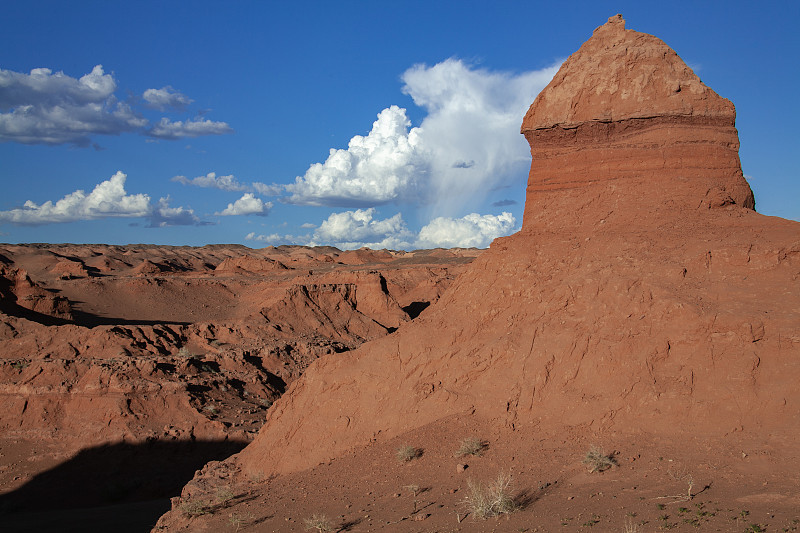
(19,365)
(320,522)
(194,508)
(184,352)
(224,495)
(407,453)
(597,461)
(494,499)
(471,446)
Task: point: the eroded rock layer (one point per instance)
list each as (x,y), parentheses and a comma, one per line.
(626,117)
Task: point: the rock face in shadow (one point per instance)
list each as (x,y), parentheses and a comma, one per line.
(115,487)
(643,293)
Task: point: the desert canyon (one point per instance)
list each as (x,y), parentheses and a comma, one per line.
(644,309)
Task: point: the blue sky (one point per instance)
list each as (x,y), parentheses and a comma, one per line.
(387,124)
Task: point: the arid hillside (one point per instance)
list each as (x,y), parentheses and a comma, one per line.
(172,355)
(644,306)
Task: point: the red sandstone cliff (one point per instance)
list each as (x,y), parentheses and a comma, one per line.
(643,293)
(627,126)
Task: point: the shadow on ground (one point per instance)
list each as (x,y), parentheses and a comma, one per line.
(116,487)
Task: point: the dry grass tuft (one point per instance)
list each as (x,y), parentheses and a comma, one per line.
(630,526)
(320,522)
(407,453)
(494,499)
(598,461)
(471,446)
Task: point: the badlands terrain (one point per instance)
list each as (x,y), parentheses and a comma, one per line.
(628,361)
(126,368)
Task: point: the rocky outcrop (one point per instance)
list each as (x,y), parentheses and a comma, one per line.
(21,296)
(643,293)
(626,127)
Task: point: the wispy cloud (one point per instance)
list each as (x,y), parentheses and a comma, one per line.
(166,98)
(211,180)
(469,142)
(163,215)
(248,204)
(504,203)
(46,107)
(167,129)
(272,238)
(268,190)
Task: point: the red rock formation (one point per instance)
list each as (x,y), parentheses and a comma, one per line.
(625,119)
(70,270)
(18,291)
(626,303)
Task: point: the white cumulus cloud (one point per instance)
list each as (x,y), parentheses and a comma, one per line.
(248,204)
(52,108)
(108,199)
(375,169)
(268,190)
(42,86)
(468,143)
(360,228)
(211,180)
(165,98)
(355,229)
(471,231)
(46,107)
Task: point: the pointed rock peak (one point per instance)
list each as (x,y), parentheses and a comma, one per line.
(625,109)
(615,23)
(620,74)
